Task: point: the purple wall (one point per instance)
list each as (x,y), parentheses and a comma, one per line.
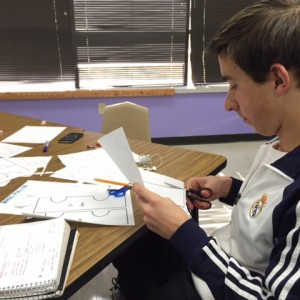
(181,115)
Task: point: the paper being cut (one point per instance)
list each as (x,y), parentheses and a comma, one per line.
(116,146)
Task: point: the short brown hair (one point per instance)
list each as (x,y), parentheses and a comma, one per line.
(260,35)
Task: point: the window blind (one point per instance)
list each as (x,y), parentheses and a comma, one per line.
(130,42)
(206,18)
(96,44)
(35,42)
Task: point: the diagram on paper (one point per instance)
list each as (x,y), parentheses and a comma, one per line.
(15,167)
(75,202)
(9,170)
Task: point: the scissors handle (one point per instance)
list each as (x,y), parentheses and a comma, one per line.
(119,192)
(196,197)
(199,194)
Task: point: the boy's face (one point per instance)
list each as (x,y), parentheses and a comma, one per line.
(253,102)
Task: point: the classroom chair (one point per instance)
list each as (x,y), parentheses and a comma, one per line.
(132,117)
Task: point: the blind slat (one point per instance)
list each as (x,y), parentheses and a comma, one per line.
(144,40)
(206,17)
(88,43)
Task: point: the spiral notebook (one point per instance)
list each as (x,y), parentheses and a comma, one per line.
(35,258)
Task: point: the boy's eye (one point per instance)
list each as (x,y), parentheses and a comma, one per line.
(232,86)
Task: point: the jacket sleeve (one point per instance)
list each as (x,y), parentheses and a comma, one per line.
(227,279)
(234,192)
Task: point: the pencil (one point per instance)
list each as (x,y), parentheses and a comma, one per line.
(112,182)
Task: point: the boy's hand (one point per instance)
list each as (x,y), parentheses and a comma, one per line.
(161,214)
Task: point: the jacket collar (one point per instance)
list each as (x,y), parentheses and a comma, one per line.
(289,163)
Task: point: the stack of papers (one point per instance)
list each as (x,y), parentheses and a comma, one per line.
(88,200)
(11,168)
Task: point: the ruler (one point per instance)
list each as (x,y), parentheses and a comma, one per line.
(88,94)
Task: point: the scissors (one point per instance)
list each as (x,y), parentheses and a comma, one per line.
(119,192)
(196,197)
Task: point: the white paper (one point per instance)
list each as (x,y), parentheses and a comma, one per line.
(160,179)
(9,169)
(87,165)
(165,186)
(34,134)
(116,146)
(8,150)
(75,202)
(15,167)
(29,257)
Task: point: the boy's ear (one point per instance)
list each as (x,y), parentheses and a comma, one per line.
(281,78)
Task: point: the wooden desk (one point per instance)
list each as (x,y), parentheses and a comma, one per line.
(99,245)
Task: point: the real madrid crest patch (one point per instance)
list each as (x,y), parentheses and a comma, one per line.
(258,206)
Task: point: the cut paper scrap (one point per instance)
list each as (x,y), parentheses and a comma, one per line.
(15,167)
(34,162)
(9,169)
(116,146)
(75,202)
(34,134)
(8,150)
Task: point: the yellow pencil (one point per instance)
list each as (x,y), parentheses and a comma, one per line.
(112,182)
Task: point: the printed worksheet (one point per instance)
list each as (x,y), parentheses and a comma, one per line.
(72,201)
(86,166)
